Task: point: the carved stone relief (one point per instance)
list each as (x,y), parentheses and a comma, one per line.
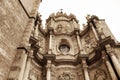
(100,74)
(63,27)
(66,73)
(89,43)
(75,44)
(35,72)
(66,76)
(41,43)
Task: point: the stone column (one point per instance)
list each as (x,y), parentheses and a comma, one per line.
(94,31)
(50,41)
(48,76)
(78,40)
(111,53)
(27,69)
(110,69)
(79,43)
(36,31)
(18,67)
(84,65)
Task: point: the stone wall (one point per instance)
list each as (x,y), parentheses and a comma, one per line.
(13,20)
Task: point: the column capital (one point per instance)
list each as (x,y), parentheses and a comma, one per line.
(50,30)
(84,56)
(49,57)
(76,31)
(84,63)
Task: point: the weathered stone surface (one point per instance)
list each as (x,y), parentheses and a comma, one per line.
(30,6)
(73,54)
(13,20)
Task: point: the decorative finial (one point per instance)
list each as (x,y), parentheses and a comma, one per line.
(61,10)
(88,16)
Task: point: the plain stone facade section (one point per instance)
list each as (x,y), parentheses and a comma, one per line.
(13,21)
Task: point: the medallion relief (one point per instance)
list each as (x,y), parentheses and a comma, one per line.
(63,27)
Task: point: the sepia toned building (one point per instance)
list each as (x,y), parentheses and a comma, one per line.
(61,51)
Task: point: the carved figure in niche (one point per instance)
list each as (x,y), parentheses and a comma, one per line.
(100,75)
(87,44)
(59,28)
(41,44)
(93,43)
(101,32)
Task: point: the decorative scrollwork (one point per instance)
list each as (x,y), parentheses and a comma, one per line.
(65,76)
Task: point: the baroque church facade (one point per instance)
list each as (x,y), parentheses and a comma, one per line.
(61,51)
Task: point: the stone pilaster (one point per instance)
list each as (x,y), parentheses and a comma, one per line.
(79,42)
(85,69)
(49,58)
(110,69)
(50,30)
(28,63)
(94,31)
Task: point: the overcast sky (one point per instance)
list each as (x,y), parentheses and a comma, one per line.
(104,9)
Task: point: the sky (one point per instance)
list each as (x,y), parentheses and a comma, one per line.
(104,9)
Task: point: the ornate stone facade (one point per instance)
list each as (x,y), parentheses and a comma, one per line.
(61,51)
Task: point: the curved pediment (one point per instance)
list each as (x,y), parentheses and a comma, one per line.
(62,23)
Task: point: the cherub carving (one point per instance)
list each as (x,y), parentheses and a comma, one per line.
(101,32)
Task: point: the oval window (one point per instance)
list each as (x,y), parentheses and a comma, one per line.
(64,48)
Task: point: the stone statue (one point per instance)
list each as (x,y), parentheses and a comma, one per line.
(101,32)
(59,28)
(88,17)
